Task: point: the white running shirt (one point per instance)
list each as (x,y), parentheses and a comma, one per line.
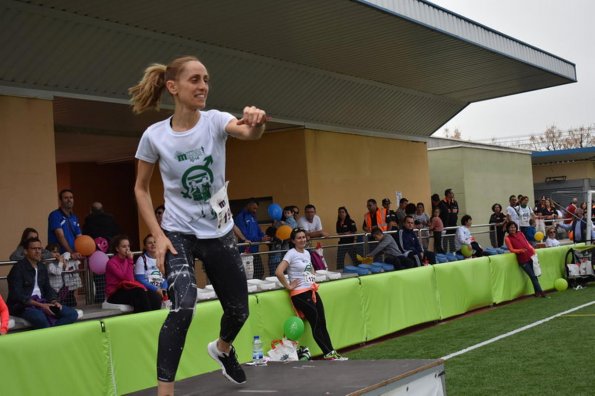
(192,166)
(300,268)
(525,216)
(514,215)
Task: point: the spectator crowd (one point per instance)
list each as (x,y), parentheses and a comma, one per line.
(43,284)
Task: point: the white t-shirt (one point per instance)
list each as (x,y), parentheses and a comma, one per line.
(315,225)
(463,237)
(151,273)
(300,268)
(514,215)
(552,242)
(524,216)
(36,290)
(560,217)
(192,166)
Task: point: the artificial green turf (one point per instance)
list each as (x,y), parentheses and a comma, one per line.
(554,358)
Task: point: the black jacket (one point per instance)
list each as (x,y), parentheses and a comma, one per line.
(21,280)
(583,236)
(101,224)
(449,212)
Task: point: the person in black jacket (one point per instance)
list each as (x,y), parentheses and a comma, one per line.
(30,295)
(410,244)
(449,214)
(345,226)
(497,223)
(100,223)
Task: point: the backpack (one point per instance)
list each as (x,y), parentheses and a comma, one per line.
(317,261)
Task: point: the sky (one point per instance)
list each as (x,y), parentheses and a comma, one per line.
(562,28)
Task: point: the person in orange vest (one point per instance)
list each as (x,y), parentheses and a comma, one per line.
(374,217)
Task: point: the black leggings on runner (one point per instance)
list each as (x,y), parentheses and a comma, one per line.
(225,270)
(314,313)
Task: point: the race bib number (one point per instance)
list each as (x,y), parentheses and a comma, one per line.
(220,205)
(155,278)
(309,277)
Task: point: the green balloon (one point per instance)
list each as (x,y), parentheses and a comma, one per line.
(466,250)
(561,284)
(294,328)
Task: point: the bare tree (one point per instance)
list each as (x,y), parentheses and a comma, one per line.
(555,139)
(580,137)
(456,134)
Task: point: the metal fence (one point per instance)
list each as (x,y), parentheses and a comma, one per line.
(336,256)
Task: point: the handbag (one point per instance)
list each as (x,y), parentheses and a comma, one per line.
(71,278)
(248,262)
(536,266)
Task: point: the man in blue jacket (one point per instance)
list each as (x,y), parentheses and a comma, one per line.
(578,227)
(63,225)
(411,245)
(248,224)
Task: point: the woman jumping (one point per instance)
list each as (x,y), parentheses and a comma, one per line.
(197,222)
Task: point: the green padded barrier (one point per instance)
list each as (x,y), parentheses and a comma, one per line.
(133,343)
(508,279)
(269,315)
(551,261)
(123,358)
(393,301)
(463,286)
(63,360)
(134,338)
(343,311)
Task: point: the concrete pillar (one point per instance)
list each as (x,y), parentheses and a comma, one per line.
(28,168)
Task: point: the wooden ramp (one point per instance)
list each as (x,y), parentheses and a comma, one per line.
(319,377)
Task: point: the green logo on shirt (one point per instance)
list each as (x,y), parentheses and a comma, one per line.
(192,155)
(197,181)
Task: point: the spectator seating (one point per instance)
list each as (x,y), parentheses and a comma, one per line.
(18,323)
(118,307)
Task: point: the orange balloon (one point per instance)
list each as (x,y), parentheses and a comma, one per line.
(571,235)
(283,233)
(85,245)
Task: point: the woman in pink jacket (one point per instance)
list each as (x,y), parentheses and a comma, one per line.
(518,244)
(4,317)
(120,285)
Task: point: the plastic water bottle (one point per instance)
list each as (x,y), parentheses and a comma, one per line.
(257,356)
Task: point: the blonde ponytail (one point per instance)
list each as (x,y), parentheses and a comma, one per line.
(147,93)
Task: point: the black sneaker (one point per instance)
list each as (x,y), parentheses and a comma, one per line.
(230,368)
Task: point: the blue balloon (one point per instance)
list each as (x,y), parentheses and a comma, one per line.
(275,211)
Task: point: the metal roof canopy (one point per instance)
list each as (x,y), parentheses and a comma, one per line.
(563,155)
(399,68)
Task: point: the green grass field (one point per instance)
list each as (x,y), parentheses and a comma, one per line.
(554,358)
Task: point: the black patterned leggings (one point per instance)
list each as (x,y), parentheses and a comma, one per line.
(225,270)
